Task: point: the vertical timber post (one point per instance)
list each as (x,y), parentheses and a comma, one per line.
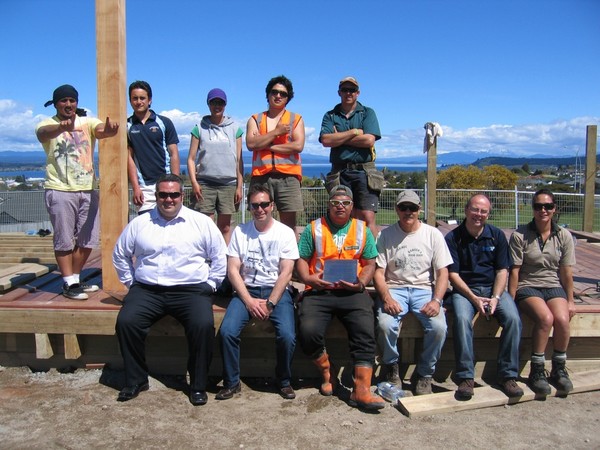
(112,102)
(591,141)
(430,147)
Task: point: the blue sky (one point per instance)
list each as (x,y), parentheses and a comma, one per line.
(512,77)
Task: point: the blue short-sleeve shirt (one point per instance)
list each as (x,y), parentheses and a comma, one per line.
(476,260)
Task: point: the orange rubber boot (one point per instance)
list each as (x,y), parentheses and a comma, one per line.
(361,394)
(329,380)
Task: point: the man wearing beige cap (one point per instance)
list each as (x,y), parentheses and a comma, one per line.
(350,130)
(411,276)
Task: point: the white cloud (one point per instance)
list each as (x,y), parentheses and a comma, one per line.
(561,137)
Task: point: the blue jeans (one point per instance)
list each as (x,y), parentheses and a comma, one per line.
(236,318)
(388,328)
(462,329)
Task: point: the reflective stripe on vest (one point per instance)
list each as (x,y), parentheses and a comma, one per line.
(265,161)
(326,248)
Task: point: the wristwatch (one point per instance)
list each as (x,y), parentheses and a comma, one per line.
(270,305)
(497,297)
(437,300)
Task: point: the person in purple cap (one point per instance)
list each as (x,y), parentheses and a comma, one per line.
(152,144)
(72,199)
(215,163)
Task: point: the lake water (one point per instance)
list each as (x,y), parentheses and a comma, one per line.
(310,170)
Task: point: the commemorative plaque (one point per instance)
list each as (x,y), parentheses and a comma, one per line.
(340,269)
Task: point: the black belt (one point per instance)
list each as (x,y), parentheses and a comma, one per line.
(353,166)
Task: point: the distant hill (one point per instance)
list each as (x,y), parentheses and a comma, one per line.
(10,158)
(38,158)
(533,162)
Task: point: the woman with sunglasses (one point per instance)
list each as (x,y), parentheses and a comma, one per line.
(541,282)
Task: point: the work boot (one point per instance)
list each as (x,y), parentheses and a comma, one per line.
(393,374)
(329,380)
(361,394)
(559,377)
(465,389)
(537,379)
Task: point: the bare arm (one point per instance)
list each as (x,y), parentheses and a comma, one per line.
(513,280)
(565,275)
(390,305)
(354,137)
(297,144)
(174,154)
(47,132)
(191,165)
(256,141)
(240,171)
(286,266)
(106,129)
(434,307)
(366,275)
(138,196)
(314,280)
(253,305)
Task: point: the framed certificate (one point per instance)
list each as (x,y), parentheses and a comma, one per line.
(340,269)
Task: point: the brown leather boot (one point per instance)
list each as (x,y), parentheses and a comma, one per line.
(361,394)
(329,380)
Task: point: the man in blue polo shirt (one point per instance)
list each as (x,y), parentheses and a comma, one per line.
(350,130)
(152,145)
(479,275)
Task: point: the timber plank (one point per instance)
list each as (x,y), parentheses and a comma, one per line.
(19,274)
(487,396)
(43,347)
(72,350)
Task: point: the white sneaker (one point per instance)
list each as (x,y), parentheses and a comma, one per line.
(89,287)
(74,292)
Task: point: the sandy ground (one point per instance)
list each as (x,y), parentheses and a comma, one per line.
(79,410)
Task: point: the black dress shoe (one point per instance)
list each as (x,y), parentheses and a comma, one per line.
(129,392)
(227,393)
(198,398)
(287,392)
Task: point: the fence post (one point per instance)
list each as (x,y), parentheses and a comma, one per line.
(516,207)
(590,178)
(243,202)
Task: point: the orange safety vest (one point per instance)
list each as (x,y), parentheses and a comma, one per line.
(265,161)
(326,248)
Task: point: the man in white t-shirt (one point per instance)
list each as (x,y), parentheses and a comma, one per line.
(260,261)
(411,276)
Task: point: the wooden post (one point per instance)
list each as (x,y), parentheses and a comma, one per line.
(112,102)
(431,148)
(590,177)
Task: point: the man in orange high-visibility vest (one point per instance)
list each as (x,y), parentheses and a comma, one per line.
(349,244)
(276,138)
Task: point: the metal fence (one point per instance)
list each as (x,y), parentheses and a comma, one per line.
(25,211)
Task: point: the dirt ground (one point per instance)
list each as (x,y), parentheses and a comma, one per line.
(79,410)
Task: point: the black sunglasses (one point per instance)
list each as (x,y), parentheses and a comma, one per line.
(173,195)
(408,206)
(263,205)
(546,206)
(348,90)
(283,94)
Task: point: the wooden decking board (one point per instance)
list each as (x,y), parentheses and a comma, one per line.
(487,396)
(19,274)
